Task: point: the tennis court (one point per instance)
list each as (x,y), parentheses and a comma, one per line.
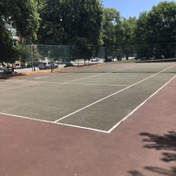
(63,123)
(93,97)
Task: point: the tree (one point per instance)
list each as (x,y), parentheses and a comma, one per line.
(5,44)
(75,22)
(141,30)
(162,22)
(89,27)
(23,16)
(125,34)
(111,18)
(156,30)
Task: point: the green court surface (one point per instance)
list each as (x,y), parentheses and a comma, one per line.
(94,97)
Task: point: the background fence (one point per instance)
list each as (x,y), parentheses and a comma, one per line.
(33,54)
(67,53)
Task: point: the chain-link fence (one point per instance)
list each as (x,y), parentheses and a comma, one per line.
(156,51)
(120,52)
(64,54)
(151,51)
(68,53)
(59,54)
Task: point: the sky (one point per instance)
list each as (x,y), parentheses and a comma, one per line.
(131,8)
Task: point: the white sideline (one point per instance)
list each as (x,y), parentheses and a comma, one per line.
(51,122)
(28,118)
(126,117)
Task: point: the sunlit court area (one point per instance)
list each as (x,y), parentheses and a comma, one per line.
(96,97)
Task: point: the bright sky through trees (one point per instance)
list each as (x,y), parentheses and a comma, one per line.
(131,8)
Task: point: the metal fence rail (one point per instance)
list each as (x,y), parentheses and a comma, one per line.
(71,53)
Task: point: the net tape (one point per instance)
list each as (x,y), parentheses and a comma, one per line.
(123,68)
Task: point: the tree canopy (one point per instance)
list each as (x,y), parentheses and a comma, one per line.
(156,31)
(87,24)
(23,16)
(75,22)
(111,19)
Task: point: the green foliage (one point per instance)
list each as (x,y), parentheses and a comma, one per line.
(86,24)
(141,28)
(75,22)
(156,31)
(111,18)
(23,52)
(125,31)
(5,43)
(161,22)
(23,16)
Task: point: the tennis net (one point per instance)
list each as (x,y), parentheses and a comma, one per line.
(117,67)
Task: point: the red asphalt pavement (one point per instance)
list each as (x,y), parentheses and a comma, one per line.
(143,145)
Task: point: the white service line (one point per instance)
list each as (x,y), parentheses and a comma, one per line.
(40,77)
(51,122)
(115,85)
(109,85)
(104,98)
(126,117)
(28,118)
(81,127)
(87,77)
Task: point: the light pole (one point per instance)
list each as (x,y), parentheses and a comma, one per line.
(32,60)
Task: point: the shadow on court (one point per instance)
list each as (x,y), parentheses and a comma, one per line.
(8,76)
(167,144)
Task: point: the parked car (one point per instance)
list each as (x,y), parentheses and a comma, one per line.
(52,65)
(94,59)
(49,65)
(29,65)
(7,71)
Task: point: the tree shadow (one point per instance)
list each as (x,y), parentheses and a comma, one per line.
(8,76)
(166,142)
(161,171)
(157,170)
(136,173)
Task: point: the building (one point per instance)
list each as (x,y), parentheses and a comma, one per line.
(16,39)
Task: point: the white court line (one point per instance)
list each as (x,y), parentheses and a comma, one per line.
(110,85)
(106,97)
(28,118)
(115,85)
(87,77)
(52,122)
(126,117)
(40,77)
(85,128)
